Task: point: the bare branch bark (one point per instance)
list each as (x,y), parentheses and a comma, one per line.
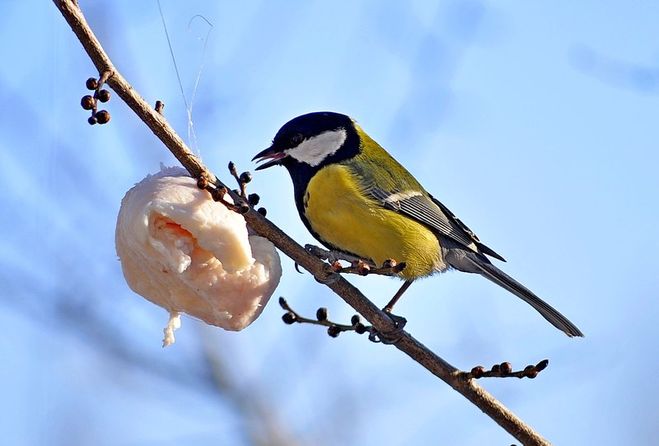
(263,227)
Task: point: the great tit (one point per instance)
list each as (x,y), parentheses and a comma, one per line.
(357,199)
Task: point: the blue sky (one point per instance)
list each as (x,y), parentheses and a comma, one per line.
(536,123)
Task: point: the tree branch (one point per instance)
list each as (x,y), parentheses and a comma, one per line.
(263,227)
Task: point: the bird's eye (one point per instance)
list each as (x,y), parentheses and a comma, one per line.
(295,139)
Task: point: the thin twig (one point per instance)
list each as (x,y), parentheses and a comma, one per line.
(505,370)
(358,266)
(333,328)
(263,227)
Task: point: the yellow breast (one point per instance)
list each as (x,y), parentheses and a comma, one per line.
(346,218)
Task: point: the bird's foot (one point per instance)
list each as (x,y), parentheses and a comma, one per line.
(390,336)
(400,321)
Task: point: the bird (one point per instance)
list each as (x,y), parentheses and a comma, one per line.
(356,199)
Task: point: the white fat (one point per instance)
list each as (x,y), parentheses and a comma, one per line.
(173,324)
(314,150)
(184,252)
(400,196)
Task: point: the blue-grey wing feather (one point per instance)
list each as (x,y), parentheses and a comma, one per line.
(429,211)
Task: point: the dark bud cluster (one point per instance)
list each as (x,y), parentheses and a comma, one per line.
(249,200)
(202,182)
(103,95)
(478,371)
(91,83)
(321,314)
(289,318)
(322,318)
(505,370)
(253,199)
(87,102)
(103,117)
(90,102)
(219,193)
(245,177)
(243,208)
(530,371)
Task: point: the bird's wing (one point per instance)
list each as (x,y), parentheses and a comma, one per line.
(390,184)
(427,210)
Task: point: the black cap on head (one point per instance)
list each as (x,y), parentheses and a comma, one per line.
(306,127)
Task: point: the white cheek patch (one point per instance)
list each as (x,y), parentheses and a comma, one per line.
(314,150)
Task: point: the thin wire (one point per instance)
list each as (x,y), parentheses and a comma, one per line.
(203,57)
(192,136)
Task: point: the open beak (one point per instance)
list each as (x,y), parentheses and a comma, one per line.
(271,155)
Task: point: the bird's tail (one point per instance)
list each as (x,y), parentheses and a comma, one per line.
(491,272)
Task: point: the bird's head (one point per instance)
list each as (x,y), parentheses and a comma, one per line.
(311,141)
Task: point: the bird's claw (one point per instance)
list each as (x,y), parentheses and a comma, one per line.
(390,336)
(329,278)
(400,321)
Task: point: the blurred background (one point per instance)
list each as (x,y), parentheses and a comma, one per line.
(537,124)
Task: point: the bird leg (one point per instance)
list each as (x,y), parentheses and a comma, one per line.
(390,306)
(390,338)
